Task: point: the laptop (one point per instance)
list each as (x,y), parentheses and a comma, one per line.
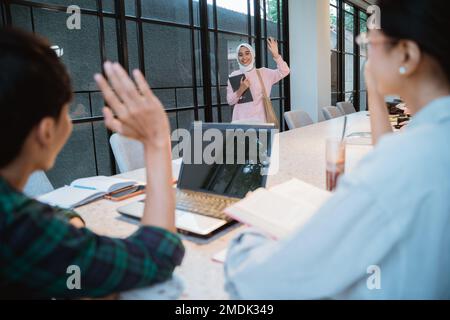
(206,187)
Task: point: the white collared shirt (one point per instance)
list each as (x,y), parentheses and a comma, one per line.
(385,234)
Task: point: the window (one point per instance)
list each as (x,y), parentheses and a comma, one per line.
(186,49)
(347,62)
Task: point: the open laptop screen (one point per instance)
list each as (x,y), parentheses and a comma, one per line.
(229,160)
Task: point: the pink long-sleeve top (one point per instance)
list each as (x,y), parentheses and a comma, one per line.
(254,111)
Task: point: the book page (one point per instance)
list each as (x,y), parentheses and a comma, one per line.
(280,210)
(68,197)
(298,190)
(102,183)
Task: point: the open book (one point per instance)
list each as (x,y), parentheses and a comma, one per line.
(82,191)
(280,210)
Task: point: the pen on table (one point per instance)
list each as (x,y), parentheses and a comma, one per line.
(84,187)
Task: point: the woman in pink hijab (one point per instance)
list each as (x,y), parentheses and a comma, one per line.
(254,111)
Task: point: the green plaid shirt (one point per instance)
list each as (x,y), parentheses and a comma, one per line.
(38,245)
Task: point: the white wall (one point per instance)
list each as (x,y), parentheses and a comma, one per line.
(310,53)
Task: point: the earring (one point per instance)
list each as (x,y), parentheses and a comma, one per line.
(402,70)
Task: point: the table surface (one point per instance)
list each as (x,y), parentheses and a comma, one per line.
(301,156)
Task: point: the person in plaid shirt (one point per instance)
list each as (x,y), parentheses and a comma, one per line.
(38,243)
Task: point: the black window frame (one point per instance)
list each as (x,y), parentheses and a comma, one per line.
(340,51)
(204,29)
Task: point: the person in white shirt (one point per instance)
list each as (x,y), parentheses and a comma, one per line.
(385,233)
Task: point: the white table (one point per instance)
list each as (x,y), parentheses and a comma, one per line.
(302,156)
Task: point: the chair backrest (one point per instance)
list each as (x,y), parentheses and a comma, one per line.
(38,184)
(331,113)
(346,107)
(129,153)
(297,119)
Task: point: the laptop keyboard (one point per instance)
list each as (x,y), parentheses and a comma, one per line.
(203,203)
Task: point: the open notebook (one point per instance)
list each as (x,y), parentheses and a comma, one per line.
(280,210)
(82,191)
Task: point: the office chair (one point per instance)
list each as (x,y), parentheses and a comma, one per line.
(331,113)
(38,184)
(346,108)
(297,119)
(129,153)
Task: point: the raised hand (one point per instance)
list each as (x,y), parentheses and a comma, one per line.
(272,45)
(139,113)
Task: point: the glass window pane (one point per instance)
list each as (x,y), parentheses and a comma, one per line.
(80,108)
(363,15)
(76,159)
(272,18)
(232,15)
(333,2)
(166,64)
(349,77)
(102,148)
(172,11)
(211,14)
(109,25)
(362,84)
(223,95)
(172,121)
(198,58)
(334,28)
(21,17)
(130,8)
(167,97)
(185,119)
(196,11)
(362,26)
(83,4)
(108,6)
(275,93)
(348,8)
(132,39)
(215,113)
(97,103)
(363,100)
(185,97)
(349,33)
(81,47)
(276,107)
(227,113)
(252,16)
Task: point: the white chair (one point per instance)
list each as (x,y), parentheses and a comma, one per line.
(297,119)
(331,113)
(346,108)
(38,184)
(129,153)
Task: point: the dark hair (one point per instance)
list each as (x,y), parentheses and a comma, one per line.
(425,22)
(34,84)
